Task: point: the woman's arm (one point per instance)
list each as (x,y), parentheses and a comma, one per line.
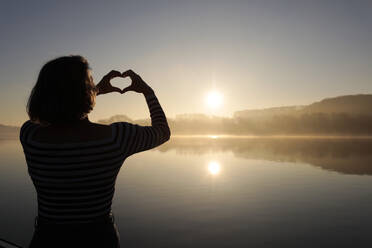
(140,138)
(147,137)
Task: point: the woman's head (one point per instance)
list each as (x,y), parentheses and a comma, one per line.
(64,91)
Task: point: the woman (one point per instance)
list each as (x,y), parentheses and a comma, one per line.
(73,162)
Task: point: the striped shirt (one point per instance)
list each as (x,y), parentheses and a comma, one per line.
(75,182)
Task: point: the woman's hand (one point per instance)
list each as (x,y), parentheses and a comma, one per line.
(138,85)
(104,86)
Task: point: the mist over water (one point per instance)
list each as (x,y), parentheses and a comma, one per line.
(347,155)
(218,191)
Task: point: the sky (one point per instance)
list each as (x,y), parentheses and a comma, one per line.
(256,54)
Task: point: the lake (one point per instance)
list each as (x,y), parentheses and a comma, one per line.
(223,192)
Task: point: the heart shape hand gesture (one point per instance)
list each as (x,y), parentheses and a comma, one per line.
(138,85)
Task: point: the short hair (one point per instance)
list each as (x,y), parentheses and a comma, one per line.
(63,91)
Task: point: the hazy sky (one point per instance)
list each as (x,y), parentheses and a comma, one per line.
(256,53)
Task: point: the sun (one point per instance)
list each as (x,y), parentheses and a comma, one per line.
(214,167)
(214,99)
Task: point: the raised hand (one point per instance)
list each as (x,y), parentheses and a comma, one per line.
(104,86)
(138,85)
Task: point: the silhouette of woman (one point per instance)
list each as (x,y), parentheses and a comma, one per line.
(72,162)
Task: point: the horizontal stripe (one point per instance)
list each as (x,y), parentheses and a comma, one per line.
(73,167)
(78,198)
(83,211)
(76,173)
(87,210)
(76,204)
(104,176)
(74,218)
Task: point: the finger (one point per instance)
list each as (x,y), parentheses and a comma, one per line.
(113,74)
(116,89)
(129,73)
(129,88)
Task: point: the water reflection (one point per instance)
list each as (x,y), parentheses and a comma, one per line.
(231,194)
(214,167)
(348,156)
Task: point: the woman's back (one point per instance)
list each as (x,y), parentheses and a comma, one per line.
(75,180)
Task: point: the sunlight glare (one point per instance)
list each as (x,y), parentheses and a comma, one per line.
(214,167)
(214,99)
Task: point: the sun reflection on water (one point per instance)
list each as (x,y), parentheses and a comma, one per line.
(214,167)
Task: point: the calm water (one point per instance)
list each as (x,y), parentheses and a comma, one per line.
(223,192)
